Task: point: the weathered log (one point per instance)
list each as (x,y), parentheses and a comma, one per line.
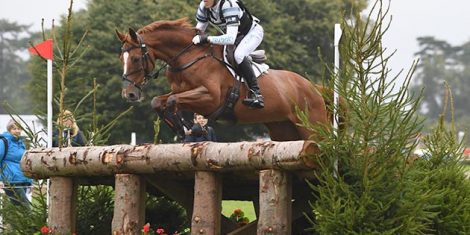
(148,159)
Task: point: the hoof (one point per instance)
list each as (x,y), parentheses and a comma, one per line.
(171,103)
(157,104)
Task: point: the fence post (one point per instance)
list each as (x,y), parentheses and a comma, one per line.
(207,203)
(129,205)
(275,203)
(63,196)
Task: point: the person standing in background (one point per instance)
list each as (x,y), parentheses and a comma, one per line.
(12,148)
(200,130)
(71,133)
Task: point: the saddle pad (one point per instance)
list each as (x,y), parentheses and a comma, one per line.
(258,68)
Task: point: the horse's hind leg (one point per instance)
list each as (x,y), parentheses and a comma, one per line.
(283,131)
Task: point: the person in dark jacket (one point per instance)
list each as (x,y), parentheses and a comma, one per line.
(15,182)
(200,130)
(71,133)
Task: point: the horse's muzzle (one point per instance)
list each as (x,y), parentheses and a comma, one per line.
(132,95)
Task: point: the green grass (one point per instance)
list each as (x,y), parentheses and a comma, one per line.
(245,206)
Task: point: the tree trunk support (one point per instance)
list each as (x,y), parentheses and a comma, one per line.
(63,196)
(129,205)
(207,203)
(275,203)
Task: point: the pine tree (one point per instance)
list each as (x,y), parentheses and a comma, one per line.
(369,181)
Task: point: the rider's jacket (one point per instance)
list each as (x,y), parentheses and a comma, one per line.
(225,14)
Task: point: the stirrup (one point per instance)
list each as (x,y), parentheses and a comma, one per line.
(255,101)
(256,104)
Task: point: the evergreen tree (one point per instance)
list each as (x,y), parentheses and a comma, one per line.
(369,181)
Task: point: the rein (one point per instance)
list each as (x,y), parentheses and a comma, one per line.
(154,75)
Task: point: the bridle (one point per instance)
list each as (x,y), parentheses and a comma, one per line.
(145,61)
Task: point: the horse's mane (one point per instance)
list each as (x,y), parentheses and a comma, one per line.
(167,24)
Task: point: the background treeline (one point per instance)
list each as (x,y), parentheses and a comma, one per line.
(440,61)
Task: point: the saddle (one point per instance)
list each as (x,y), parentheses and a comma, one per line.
(258,58)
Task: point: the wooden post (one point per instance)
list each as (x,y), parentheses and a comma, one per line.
(207,203)
(63,196)
(129,205)
(275,203)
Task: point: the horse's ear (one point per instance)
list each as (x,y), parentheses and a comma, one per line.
(133,35)
(121,36)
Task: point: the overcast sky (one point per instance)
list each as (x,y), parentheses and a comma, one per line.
(447,20)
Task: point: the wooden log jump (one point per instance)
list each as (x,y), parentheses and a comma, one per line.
(206,161)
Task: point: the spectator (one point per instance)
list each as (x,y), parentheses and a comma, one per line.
(200,130)
(12,148)
(71,133)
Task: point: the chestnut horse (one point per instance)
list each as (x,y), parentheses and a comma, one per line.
(199,81)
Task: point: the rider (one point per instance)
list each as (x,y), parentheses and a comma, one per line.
(241,29)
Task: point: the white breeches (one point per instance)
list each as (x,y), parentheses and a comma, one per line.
(249,43)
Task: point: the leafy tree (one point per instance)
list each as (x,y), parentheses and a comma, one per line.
(442,62)
(437,58)
(305,29)
(13,72)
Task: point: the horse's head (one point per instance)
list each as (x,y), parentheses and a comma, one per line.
(138,65)
(164,40)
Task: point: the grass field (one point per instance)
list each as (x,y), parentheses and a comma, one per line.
(245,206)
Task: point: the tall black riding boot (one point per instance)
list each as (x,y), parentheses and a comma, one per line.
(254,98)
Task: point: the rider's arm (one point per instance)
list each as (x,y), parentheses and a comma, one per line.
(202,26)
(232,14)
(201,18)
(226,39)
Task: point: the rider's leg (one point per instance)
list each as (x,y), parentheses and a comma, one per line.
(255,98)
(246,46)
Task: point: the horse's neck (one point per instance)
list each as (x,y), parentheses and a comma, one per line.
(168,44)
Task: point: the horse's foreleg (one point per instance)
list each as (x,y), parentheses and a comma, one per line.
(198,100)
(174,120)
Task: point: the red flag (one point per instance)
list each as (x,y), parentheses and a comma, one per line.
(44,49)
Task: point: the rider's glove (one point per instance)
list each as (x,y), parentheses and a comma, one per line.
(200,39)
